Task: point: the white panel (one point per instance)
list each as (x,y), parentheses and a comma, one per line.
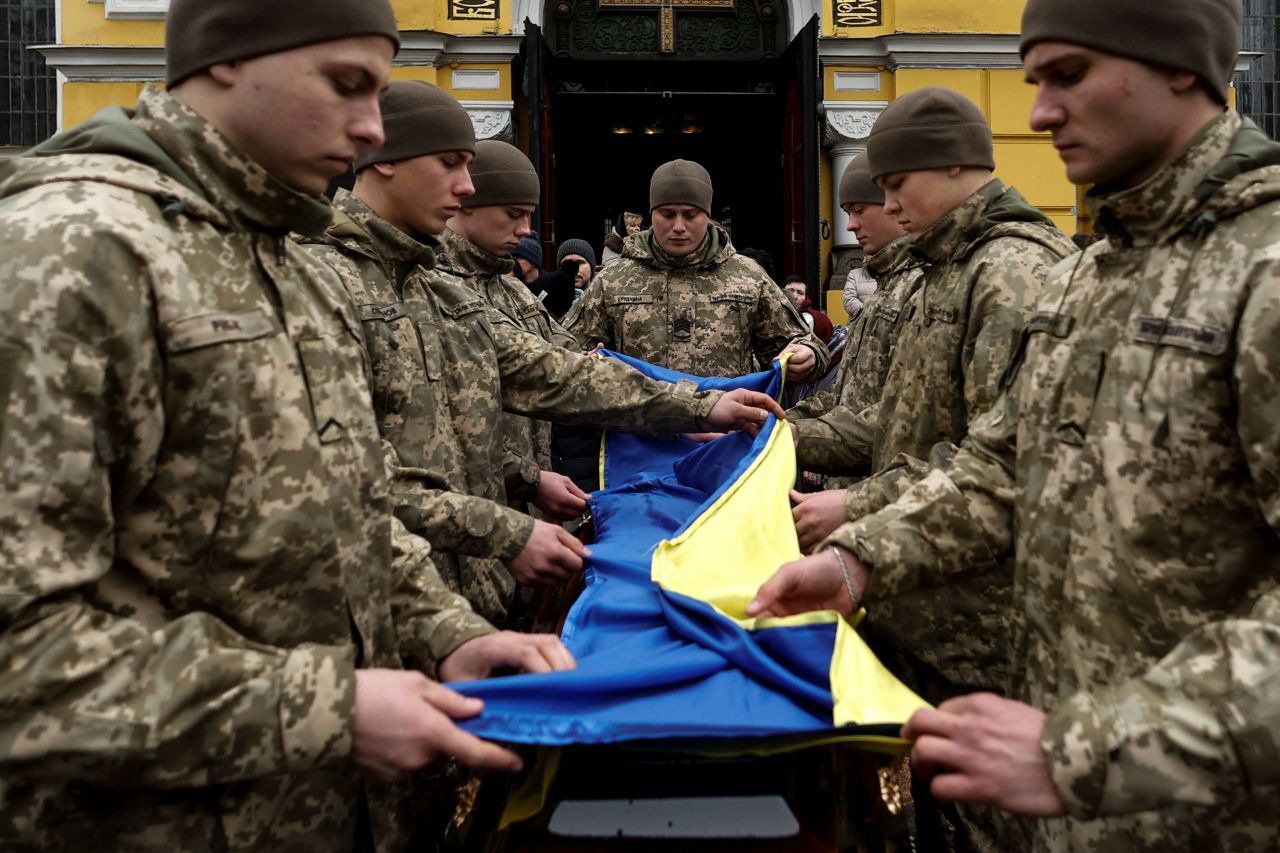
(464,78)
(153,9)
(857,81)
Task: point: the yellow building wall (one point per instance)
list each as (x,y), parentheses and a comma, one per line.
(934,16)
(81,100)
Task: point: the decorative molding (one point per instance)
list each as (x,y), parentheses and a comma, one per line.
(94,63)
(850,123)
(144,10)
(477,79)
(941,50)
(90,63)
(489,123)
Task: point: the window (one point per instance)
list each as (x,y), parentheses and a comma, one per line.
(1257,90)
(28,94)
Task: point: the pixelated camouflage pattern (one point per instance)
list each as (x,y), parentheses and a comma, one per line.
(446,366)
(982,266)
(430,359)
(712,313)
(196,545)
(869,349)
(528,440)
(1133,461)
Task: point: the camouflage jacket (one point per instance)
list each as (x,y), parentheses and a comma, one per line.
(714,313)
(1132,462)
(424,333)
(528,441)
(197,546)
(983,264)
(446,365)
(874,335)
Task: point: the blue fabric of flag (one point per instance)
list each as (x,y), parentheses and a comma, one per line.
(657,664)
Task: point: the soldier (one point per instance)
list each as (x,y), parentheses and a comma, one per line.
(445,363)
(683,298)
(206,603)
(477,249)
(871,341)
(1130,464)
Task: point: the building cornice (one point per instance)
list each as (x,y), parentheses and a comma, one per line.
(941,50)
(85,62)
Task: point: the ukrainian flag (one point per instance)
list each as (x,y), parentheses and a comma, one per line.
(686,533)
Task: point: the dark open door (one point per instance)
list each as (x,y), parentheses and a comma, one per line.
(537,58)
(800,152)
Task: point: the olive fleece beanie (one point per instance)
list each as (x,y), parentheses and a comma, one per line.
(856,186)
(420,118)
(1202,36)
(502,174)
(680,182)
(200,33)
(930,128)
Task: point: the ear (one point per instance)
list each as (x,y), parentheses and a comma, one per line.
(1182,82)
(954,171)
(224,73)
(386,170)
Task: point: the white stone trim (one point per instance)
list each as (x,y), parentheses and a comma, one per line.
(78,63)
(145,10)
(489,123)
(924,50)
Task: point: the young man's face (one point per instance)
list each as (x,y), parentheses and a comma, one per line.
(304,114)
(1112,119)
(916,200)
(796,292)
(679,228)
(874,228)
(583,275)
(428,190)
(495,228)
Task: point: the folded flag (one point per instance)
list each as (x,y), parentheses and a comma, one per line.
(685,535)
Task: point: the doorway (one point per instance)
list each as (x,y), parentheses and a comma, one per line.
(602,123)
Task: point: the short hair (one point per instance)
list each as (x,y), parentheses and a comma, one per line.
(792,279)
(632,219)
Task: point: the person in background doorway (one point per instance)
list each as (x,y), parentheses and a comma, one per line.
(818,322)
(627,225)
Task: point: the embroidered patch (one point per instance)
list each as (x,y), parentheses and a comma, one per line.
(635,299)
(220,328)
(1197,337)
(385,313)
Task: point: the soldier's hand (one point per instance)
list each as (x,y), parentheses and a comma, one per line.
(506,652)
(817,515)
(551,555)
(983,748)
(814,583)
(801,364)
(740,409)
(404,721)
(560,497)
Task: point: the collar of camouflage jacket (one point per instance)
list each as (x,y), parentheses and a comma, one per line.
(466,258)
(1221,172)
(892,256)
(357,227)
(714,250)
(194,165)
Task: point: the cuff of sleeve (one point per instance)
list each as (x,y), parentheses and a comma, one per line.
(701,405)
(525,488)
(460,627)
(317,706)
(1075,743)
(516,528)
(855,502)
